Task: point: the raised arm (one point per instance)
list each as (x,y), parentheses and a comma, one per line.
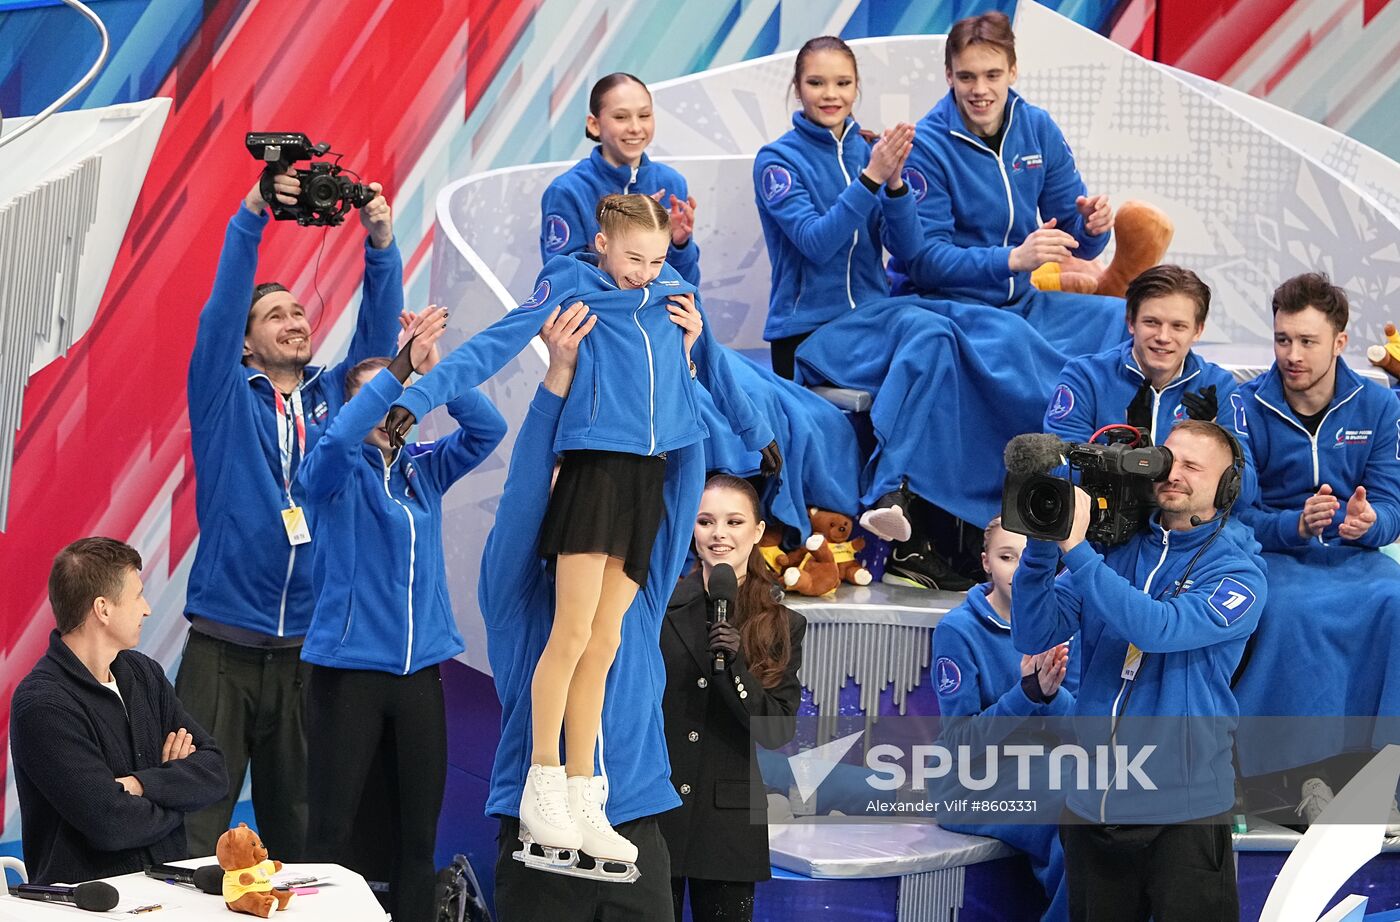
(1045,611)
(381,299)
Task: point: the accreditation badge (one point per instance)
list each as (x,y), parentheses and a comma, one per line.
(1131,662)
(294,521)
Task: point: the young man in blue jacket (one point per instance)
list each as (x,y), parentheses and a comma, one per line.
(517,603)
(107,762)
(1156,379)
(1327,442)
(1162,622)
(256,408)
(986,167)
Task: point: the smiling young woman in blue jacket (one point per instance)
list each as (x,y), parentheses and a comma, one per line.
(383,619)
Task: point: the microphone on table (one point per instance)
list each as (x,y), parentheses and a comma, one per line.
(723,589)
(208,879)
(94,896)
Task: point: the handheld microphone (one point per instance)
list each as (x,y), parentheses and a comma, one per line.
(723,589)
(93,897)
(1034,453)
(208,879)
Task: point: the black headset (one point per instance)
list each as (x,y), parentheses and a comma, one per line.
(1227,491)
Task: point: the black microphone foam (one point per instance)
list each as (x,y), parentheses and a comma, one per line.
(94,896)
(210,879)
(722,584)
(1034,453)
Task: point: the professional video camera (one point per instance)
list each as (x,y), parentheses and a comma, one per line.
(326,196)
(1118,478)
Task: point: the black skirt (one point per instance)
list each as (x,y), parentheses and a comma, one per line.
(607,502)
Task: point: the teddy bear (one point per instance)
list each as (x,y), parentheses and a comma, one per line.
(248,874)
(770,546)
(827,559)
(1386,356)
(1142,231)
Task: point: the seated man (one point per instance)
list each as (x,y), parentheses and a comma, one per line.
(107,762)
(1325,441)
(1155,379)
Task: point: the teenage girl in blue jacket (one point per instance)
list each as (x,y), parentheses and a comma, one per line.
(635,400)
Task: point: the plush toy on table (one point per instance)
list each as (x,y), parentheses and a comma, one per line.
(827,559)
(248,874)
(1141,233)
(1386,356)
(770,546)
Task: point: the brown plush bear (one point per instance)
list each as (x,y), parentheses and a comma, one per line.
(1142,233)
(1386,356)
(770,547)
(248,874)
(828,558)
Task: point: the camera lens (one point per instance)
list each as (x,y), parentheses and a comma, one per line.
(1042,506)
(323,192)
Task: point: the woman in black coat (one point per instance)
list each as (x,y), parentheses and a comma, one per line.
(718,838)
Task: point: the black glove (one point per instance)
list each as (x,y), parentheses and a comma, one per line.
(1140,410)
(1202,404)
(772,461)
(724,638)
(398,422)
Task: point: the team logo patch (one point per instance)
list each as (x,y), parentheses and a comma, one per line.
(947,675)
(1232,600)
(669,283)
(556,233)
(1179,413)
(776,183)
(1027,162)
(1061,404)
(540,295)
(318,414)
(916,182)
(1345,437)
(1241,422)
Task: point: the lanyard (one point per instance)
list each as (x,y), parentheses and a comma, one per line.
(289,418)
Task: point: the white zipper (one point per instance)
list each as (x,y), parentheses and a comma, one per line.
(286,586)
(1005,184)
(630,182)
(1312,436)
(651,373)
(855,235)
(412,555)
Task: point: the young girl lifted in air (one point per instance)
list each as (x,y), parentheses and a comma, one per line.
(634,398)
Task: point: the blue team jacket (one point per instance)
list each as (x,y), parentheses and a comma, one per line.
(824,229)
(382,601)
(1193,642)
(632,390)
(568,224)
(245,572)
(516,594)
(1095,390)
(976,207)
(1358,443)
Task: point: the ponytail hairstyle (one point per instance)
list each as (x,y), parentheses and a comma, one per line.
(618,213)
(987,29)
(600,90)
(822,43)
(765,635)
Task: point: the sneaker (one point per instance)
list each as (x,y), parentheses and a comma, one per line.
(889,517)
(1316,797)
(918,565)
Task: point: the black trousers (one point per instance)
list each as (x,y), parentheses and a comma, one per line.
(250,700)
(784,355)
(526,894)
(1182,873)
(713,900)
(351,716)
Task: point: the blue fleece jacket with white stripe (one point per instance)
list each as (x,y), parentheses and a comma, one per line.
(633,391)
(516,595)
(382,600)
(976,205)
(1357,444)
(568,219)
(1192,643)
(1094,391)
(245,572)
(823,227)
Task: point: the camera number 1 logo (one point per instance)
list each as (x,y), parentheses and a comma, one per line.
(1231,600)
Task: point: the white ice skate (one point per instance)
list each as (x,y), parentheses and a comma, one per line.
(546,824)
(616,857)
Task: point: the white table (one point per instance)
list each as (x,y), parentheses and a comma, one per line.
(345,898)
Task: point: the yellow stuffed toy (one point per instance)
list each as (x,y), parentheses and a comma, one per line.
(248,873)
(827,559)
(1386,356)
(1142,233)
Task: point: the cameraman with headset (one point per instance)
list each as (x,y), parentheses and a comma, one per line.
(1163,619)
(256,407)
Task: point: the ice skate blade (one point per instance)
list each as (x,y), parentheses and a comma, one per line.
(554,862)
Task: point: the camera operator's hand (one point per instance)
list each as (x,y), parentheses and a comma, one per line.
(378,218)
(397,424)
(1201,404)
(562,333)
(1080,527)
(287,185)
(1318,512)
